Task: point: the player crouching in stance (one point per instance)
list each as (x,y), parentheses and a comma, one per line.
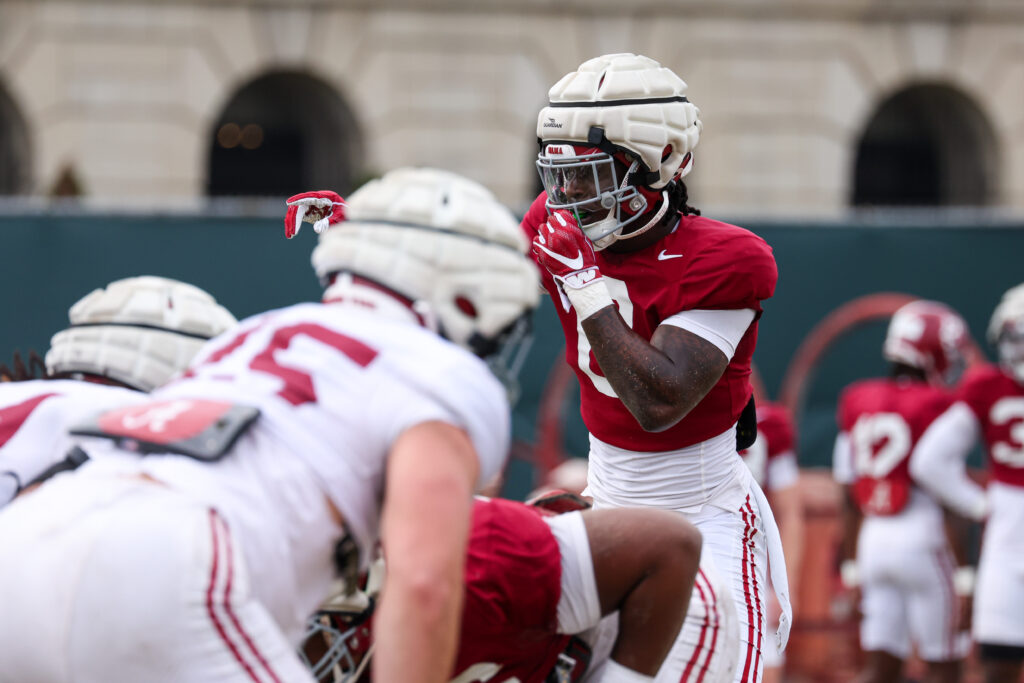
(903,559)
(538,574)
(128,338)
(222,511)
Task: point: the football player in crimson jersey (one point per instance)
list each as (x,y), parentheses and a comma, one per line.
(215,516)
(903,560)
(659,308)
(989,407)
(773,462)
(536,574)
(125,339)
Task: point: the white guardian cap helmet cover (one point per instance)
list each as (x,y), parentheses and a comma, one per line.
(620,107)
(448,246)
(140,331)
(1006,332)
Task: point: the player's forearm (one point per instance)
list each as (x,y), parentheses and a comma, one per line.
(657,391)
(938,463)
(424,531)
(851,519)
(417,631)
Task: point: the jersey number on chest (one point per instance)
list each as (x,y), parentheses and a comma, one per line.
(1009,411)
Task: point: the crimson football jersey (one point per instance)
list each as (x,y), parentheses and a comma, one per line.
(774,438)
(702,264)
(885,418)
(513,585)
(998,403)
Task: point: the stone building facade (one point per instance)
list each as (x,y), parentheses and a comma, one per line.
(809,106)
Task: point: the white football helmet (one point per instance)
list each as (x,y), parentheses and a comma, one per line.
(1006,332)
(615,133)
(929,336)
(140,331)
(446,245)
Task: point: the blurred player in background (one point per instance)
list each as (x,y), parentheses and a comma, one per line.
(904,565)
(125,339)
(271,458)
(659,308)
(990,407)
(773,462)
(536,574)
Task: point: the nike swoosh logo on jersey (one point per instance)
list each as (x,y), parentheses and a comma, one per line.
(574,263)
(664,257)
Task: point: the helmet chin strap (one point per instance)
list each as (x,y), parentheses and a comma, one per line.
(658,215)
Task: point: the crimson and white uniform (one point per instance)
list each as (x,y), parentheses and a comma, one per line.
(990,406)
(238,552)
(709,278)
(510,629)
(903,556)
(530,583)
(34,419)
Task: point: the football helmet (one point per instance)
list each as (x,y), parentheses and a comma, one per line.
(1006,332)
(338,643)
(140,331)
(450,249)
(615,133)
(929,336)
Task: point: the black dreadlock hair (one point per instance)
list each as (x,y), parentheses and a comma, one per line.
(678,196)
(21,371)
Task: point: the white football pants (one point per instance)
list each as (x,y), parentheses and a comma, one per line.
(119,579)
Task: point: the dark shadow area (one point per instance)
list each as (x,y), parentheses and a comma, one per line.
(281,134)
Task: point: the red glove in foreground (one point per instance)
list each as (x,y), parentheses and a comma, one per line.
(322,208)
(565,252)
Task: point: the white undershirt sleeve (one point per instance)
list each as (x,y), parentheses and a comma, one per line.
(842,460)
(938,462)
(724,329)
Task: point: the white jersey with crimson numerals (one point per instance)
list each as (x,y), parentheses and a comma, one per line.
(34,418)
(335,387)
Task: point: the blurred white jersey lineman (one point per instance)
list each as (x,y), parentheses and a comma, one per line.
(136,333)
(170,568)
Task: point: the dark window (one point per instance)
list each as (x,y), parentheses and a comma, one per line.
(282,134)
(927,145)
(14,148)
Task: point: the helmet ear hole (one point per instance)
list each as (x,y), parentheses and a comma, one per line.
(466,306)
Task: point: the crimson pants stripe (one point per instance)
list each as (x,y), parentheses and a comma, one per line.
(753,657)
(234,618)
(714,629)
(757,588)
(209,601)
(703,631)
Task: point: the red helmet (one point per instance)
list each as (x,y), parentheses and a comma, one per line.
(931,337)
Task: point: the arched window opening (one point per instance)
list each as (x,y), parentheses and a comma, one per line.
(15,159)
(281,134)
(927,145)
